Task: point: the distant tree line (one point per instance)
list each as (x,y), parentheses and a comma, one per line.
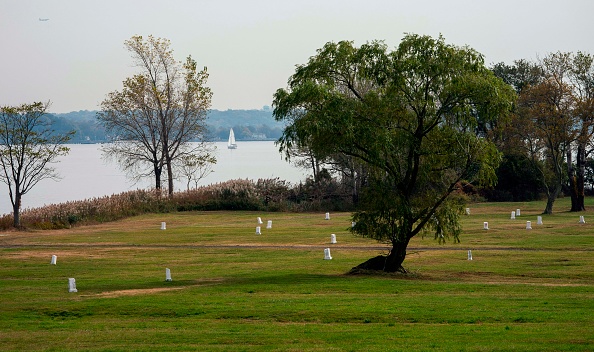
(246,124)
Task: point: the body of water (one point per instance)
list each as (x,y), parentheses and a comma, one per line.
(84,174)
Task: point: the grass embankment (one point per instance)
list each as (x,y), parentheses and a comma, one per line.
(233,290)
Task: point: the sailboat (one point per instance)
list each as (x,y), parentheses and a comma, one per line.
(231,143)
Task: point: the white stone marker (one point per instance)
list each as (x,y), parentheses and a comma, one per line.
(333,238)
(467,211)
(517,212)
(167,274)
(485,225)
(258,232)
(327,255)
(582,221)
(163,227)
(327,216)
(54,259)
(528,225)
(259,220)
(469,254)
(72,285)
(353,224)
(513,215)
(539,220)
(269,224)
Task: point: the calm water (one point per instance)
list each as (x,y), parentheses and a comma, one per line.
(86,175)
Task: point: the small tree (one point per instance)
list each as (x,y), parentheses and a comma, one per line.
(28,146)
(196,166)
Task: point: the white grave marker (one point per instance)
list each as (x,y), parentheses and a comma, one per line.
(163,227)
(517,212)
(582,221)
(353,224)
(469,254)
(72,285)
(467,211)
(259,220)
(54,259)
(332,238)
(167,274)
(258,230)
(539,220)
(327,255)
(528,225)
(269,224)
(485,225)
(513,215)
(327,216)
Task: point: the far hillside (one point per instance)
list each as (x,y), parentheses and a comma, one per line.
(253,125)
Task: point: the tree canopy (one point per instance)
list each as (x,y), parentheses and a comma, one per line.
(158,111)
(412,117)
(28,147)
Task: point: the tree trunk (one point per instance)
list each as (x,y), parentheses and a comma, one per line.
(581,170)
(573,187)
(157,177)
(551,197)
(169,177)
(16,211)
(169,168)
(396,257)
(574,193)
(391,263)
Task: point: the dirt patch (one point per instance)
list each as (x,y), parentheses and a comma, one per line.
(135,292)
(153,290)
(65,251)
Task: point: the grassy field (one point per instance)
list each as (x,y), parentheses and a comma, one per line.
(233,290)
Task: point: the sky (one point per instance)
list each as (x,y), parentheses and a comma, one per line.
(251,47)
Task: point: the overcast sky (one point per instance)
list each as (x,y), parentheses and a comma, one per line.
(251,48)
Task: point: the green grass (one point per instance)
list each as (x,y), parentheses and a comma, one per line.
(233,290)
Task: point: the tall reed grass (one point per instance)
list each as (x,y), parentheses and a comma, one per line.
(241,194)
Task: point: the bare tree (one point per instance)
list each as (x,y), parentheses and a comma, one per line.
(158,111)
(194,166)
(28,146)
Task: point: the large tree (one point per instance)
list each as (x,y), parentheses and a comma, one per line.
(545,125)
(581,80)
(157,113)
(410,116)
(28,147)
(554,121)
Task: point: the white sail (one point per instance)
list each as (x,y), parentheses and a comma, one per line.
(231,143)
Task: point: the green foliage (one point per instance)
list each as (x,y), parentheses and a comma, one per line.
(410,116)
(517,181)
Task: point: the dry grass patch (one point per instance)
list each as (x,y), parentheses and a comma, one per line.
(153,290)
